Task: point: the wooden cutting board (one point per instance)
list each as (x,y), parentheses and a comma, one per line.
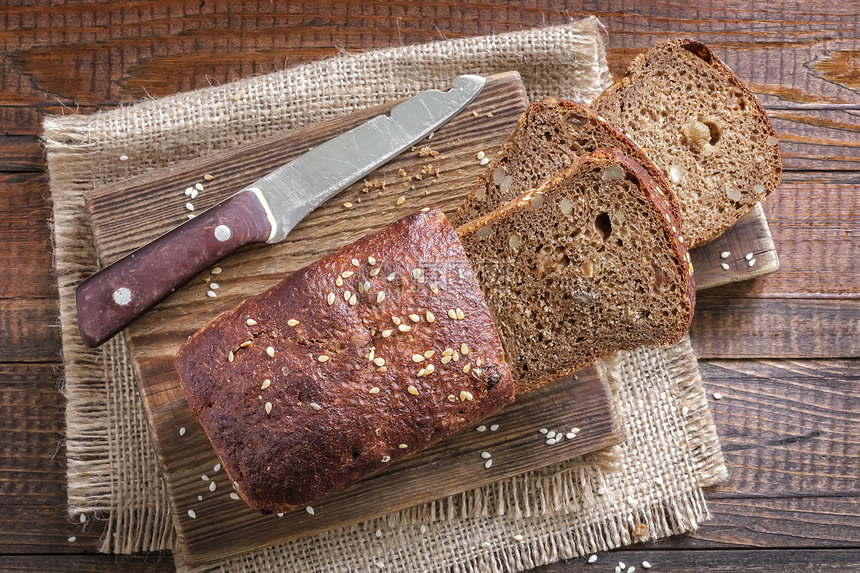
(126,216)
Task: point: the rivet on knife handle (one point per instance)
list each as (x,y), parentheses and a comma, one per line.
(112,298)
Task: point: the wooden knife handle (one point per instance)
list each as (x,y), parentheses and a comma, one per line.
(113,297)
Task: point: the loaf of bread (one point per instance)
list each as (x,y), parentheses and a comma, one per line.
(548,138)
(704,129)
(589,263)
(371,354)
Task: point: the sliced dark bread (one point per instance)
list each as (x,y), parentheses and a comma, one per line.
(589,263)
(549,137)
(702,127)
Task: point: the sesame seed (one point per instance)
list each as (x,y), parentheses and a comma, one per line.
(658,480)
(316,406)
(464,349)
(234,495)
(452,314)
(480,155)
(198,186)
(429,316)
(400,200)
(601,490)
(338,281)
(518,537)
(192,514)
(646,565)
(494,427)
(621,564)
(366,285)
(550,434)
(430,369)
(246,344)
(725,266)
(452,398)
(575,430)
(460,314)
(330,298)
(212,486)
(416,273)
(592,559)
(379,533)
(684,411)
(374,272)
(352,300)
(251,322)
(194,193)
(544,431)
(391,276)
(412,390)
(123,157)
(446,359)
(374,390)
(429,354)
(481,428)
(379,361)
(213,286)
(188,190)
(217,468)
(323,358)
(346,295)
(268,407)
(346,274)
(551,442)
(748,256)
(208,177)
(270,351)
(570,435)
(310,510)
(292,322)
(752,262)
(486,455)
(371,354)
(487,545)
(718,396)
(417,358)
(386,333)
(488,463)
(396,320)
(380,564)
(280,515)
(402,446)
(386,459)
(465,395)
(467,367)
(182,431)
(404,328)
(266,384)
(211,294)
(216,271)
(631,569)
(355,263)
(485,160)
(422,372)
(725,254)
(434,287)
(414,317)
(347,205)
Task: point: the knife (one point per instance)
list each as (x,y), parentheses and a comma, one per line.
(265,211)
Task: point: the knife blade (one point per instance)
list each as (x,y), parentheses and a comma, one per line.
(265,211)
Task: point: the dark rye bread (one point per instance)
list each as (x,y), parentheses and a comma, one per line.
(548,138)
(321,380)
(702,127)
(589,263)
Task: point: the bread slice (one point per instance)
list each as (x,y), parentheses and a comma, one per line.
(589,263)
(350,364)
(548,138)
(702,127)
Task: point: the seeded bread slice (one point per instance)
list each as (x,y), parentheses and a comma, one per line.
(702,127)
(589,263)
(548,138)
(350,364)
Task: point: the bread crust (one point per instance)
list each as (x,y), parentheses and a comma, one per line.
(655,200)
(698,234)
(478,202)
(331,412)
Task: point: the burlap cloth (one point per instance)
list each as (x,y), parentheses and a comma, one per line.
(654,479)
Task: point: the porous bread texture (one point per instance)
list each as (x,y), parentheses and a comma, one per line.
(548,138)
(589,263)
(705,130)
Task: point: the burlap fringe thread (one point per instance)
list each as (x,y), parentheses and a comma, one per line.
(112,467)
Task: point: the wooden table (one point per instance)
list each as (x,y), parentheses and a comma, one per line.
(781,350)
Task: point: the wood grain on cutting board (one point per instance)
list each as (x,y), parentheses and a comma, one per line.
(440,170)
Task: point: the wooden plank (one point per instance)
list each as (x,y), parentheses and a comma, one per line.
(156,202)
(787,427)
(26,256)
(20,153)
(693,561)
(775,328)
(151,563)
(28,330)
